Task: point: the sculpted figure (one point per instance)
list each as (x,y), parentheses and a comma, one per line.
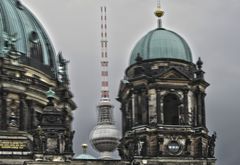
(211,145)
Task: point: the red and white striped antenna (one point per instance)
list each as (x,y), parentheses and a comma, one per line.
(104,55)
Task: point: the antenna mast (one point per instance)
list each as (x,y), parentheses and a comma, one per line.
(158,4)
(104,55)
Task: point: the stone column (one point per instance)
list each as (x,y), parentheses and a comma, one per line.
(199,107)
(133,109)
(160,146)
(138,108)
(159,103)
(188,147)
(203,109)
(30,105)
(1,108)
(130,113)
(4,110)
(153,111)
(185,103)
(24,114)
(124,118)
(199,148)
(144,106)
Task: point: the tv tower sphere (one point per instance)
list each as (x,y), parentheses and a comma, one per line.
(105,136)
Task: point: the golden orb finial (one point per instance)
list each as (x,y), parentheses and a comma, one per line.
(159,12)
(84,147)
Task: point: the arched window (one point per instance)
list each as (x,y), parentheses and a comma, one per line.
(170,109)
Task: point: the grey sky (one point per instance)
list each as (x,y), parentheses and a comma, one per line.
(211,27)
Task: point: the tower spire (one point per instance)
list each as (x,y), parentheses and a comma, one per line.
(159,13)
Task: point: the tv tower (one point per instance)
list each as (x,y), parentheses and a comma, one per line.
(105,136)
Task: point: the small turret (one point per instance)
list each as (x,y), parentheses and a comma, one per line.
(200,73)
(85,155)
(51,136)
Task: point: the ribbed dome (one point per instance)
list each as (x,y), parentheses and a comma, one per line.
(161,44)
(32,41)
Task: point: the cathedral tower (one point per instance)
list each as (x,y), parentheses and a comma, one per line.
(162,100)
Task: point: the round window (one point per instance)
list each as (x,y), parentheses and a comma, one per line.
(174,147)
(34,37)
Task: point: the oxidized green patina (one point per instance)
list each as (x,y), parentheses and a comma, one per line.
(161,44)
(32,42)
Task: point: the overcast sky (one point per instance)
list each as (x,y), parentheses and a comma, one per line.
(211,27)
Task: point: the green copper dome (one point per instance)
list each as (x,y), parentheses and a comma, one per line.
(18,24)
(161,44)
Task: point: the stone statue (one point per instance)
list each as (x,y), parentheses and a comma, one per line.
(71,140)
(63,68)
(181,110)
(38,140)
(211,145)
(140,147)
(68,140)
(13,108)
